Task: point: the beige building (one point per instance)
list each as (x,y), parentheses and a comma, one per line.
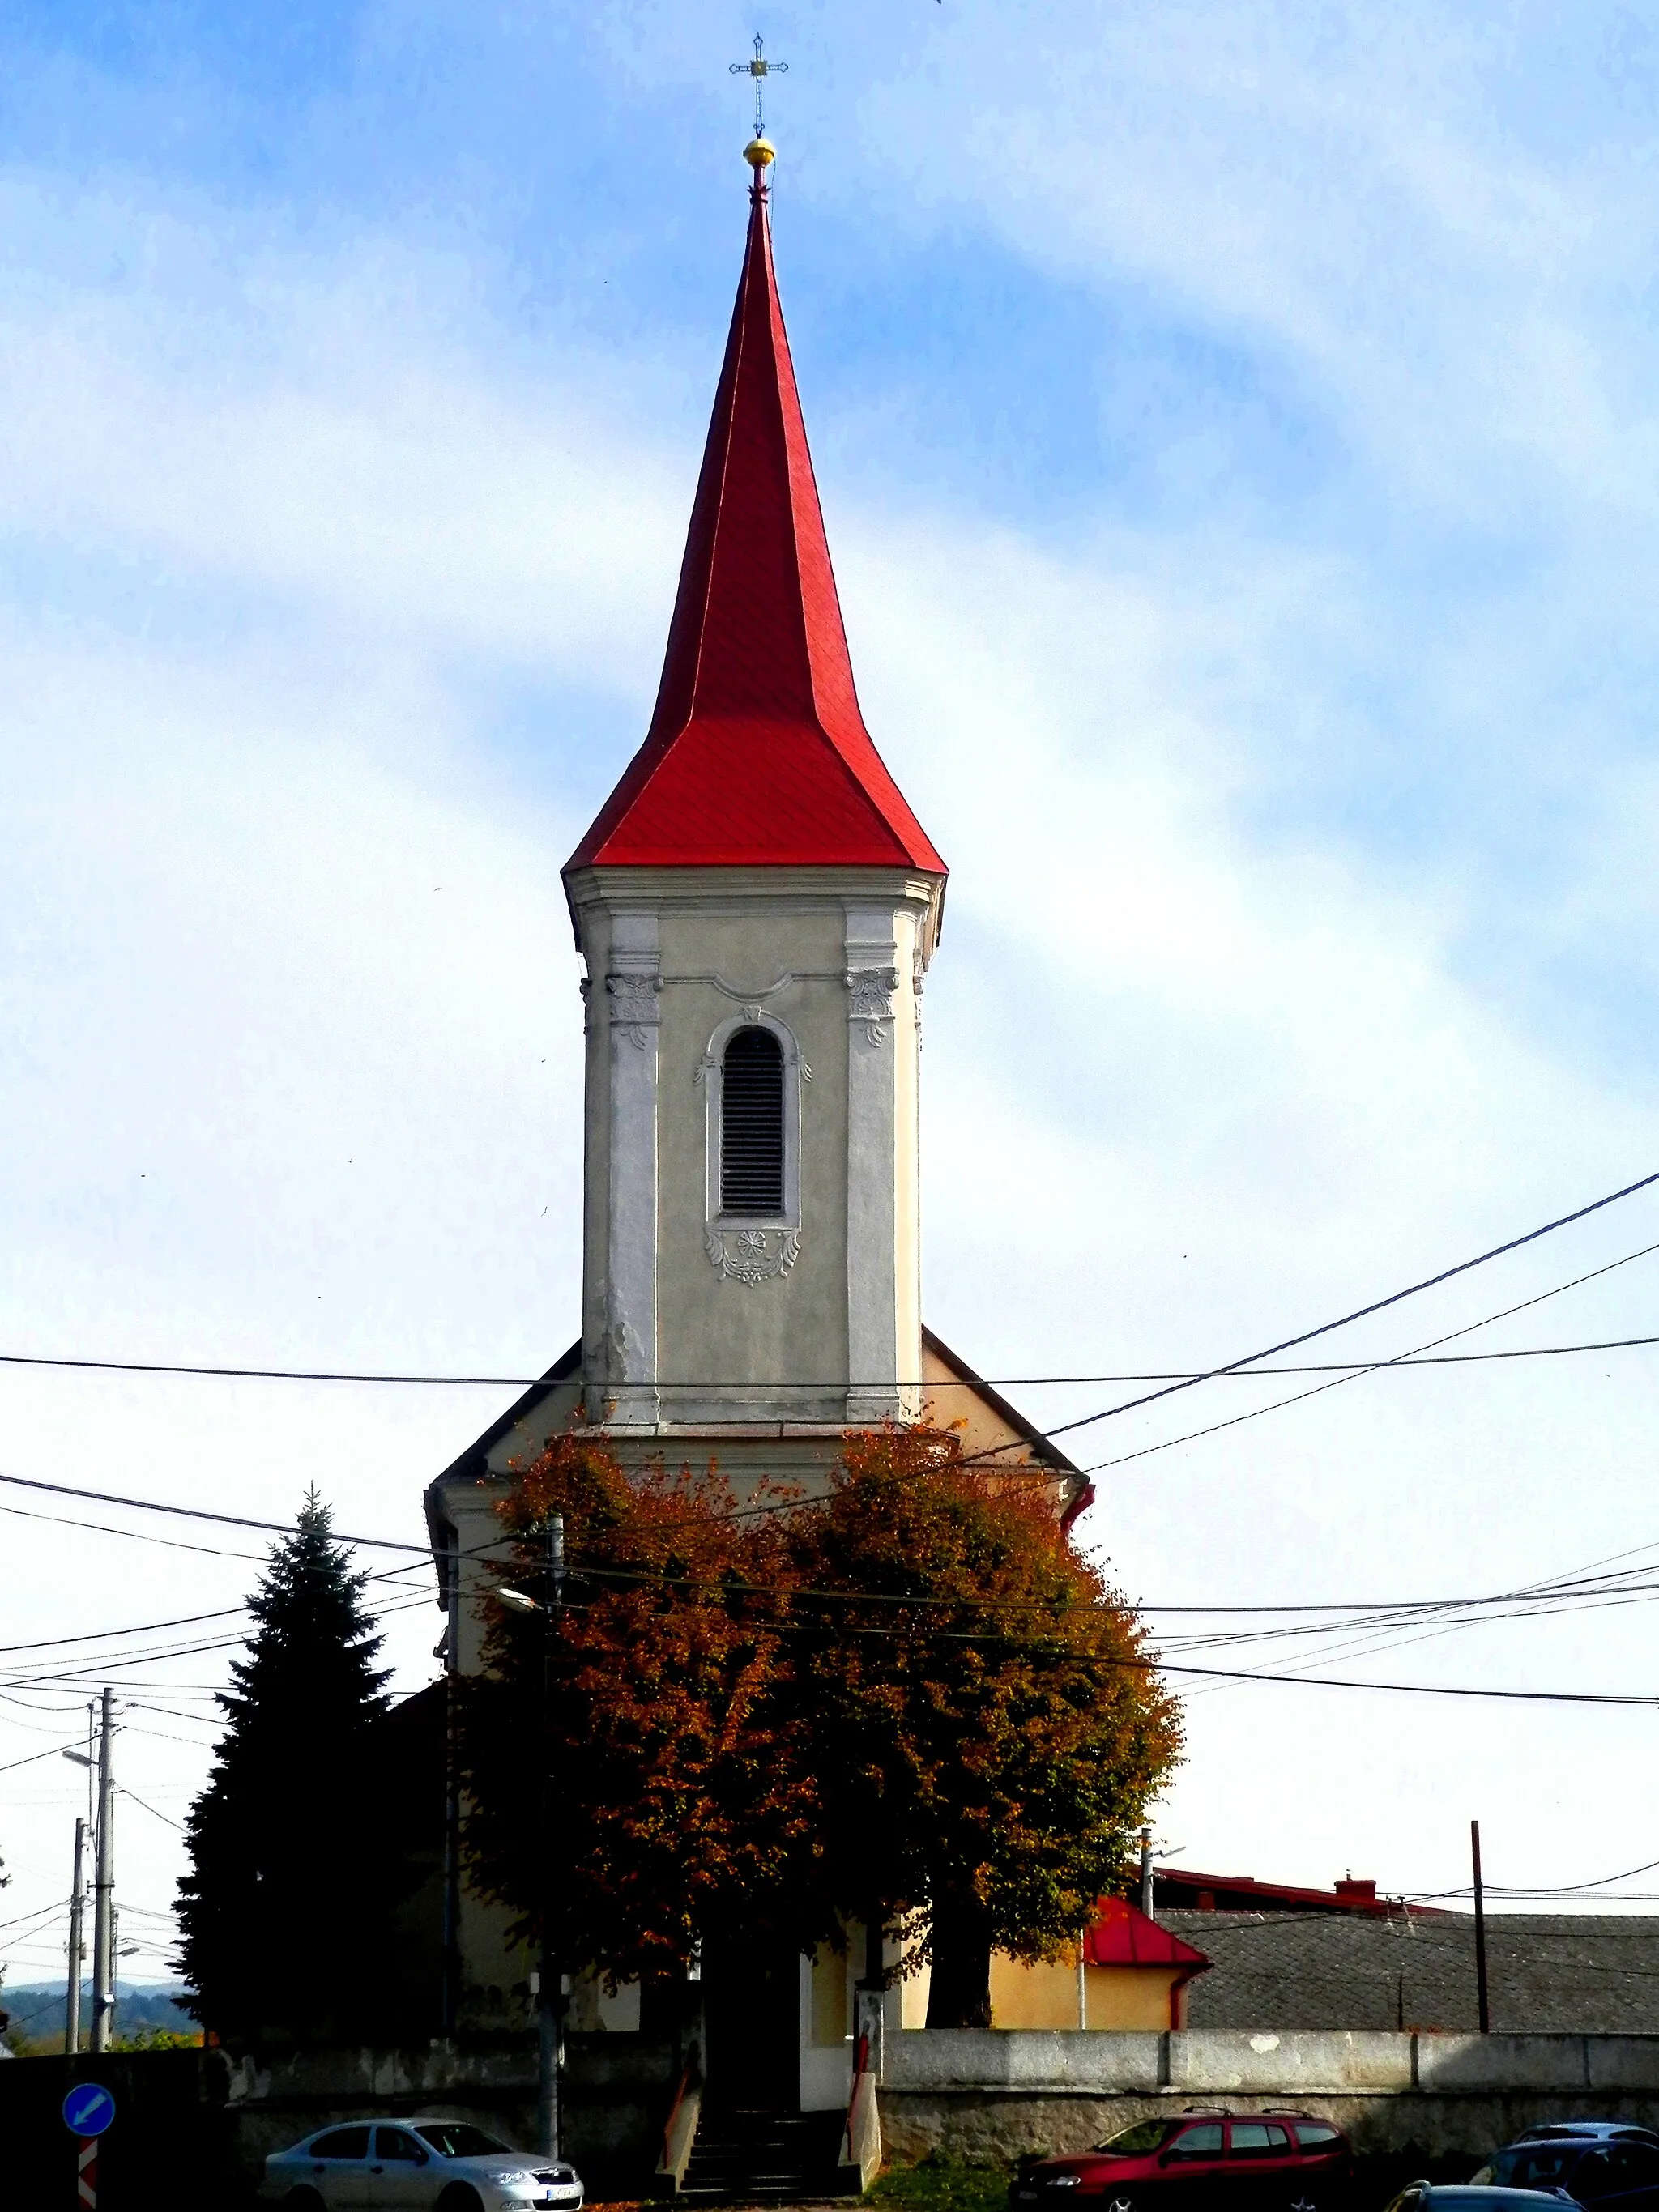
(757,909)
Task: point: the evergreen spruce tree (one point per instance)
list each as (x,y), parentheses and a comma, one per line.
(280,1910)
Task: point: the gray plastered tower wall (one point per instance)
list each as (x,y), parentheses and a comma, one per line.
(694,1321)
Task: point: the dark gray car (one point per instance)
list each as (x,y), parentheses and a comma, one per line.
(1598,2162)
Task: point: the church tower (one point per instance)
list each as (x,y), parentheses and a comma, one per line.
(756,907)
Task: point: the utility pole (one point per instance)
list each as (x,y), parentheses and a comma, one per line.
(77,1949)
(1479,1931)
(549,1995)
(103,1916)
(450,1978)
(1147,1874)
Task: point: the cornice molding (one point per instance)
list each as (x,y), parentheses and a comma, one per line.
(740,890)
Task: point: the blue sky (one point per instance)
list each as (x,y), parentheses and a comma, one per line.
(1236,434)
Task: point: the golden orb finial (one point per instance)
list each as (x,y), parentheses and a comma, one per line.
(760,153)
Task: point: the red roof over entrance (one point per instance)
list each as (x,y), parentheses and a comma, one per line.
(1122,1935)
(757,754)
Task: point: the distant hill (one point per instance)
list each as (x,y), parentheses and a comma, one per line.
(37,2009)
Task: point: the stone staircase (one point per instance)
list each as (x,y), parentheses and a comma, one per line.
(767,2158)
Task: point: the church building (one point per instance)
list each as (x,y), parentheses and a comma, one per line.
(756,908)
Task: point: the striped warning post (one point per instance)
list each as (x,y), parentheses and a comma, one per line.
(87,2164)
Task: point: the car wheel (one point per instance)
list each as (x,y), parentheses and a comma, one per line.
(303,2200)
(1121,2204)
(1299,2201)
(459,2196)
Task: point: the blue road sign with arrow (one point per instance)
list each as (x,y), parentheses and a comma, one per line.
(88,2109)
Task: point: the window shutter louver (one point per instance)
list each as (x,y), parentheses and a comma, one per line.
(751,1124)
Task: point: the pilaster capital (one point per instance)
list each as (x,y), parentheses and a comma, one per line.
(870,1000)
(635,1004)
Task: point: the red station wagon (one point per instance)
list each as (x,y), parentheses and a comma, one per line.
(1257,2161)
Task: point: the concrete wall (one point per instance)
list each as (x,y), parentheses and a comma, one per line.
(1000,2094)
(616,2090)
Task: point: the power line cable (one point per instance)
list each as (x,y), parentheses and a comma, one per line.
(202,1513)
(1153,1665)
(1360,1312)
(143,1628)
(1243,1373)
(164,1817)
(1561,1889)
(1178,1381)
(41,1912)
(1232,1367)
(100,1665)
(1561,1589)
(1353,1375)
(56,1752)
(133,1535)
(1571,1587)
(995,1455)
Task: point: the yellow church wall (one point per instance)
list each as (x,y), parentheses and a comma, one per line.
(831,2007)
(1129,1996)
(945,1401)
(1043,1994)
(954,1396)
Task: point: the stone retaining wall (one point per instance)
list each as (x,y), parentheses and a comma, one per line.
(1000,2094)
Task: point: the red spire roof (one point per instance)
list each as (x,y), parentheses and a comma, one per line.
(756,754)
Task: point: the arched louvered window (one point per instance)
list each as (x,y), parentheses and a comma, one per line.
(751,1124)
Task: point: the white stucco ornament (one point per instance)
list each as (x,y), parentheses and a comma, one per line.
(753,1255)
(634,1004)
(870,1000)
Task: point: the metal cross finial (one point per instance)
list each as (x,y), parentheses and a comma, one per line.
(760,69)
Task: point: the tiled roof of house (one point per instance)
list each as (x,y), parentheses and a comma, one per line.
(756,755)
(1545,1971)
(1178,1887)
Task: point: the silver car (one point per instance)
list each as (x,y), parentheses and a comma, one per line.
(436,2166)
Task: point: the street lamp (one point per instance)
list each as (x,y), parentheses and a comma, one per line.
(548,1992)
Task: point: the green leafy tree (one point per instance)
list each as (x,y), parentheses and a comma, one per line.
(281,1913)
(981,1704)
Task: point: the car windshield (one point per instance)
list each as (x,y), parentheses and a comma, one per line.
(1535,2164)
(458,2139)
(1140,2140)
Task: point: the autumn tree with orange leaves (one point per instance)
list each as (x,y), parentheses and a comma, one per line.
(982,1703)
(680,1802)
(911,1702)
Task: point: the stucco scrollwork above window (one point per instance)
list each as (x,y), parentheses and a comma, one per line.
(634,1004)
(751,1075)
(870,1000)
